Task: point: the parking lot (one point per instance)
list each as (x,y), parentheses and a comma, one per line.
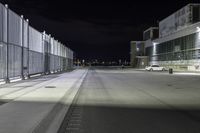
(116,100)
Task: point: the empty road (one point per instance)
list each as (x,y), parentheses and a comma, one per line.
(127,101)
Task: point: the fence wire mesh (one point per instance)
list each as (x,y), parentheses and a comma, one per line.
(25,51)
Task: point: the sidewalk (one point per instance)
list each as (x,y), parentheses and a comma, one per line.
(39,108)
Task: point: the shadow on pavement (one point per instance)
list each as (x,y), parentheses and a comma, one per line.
(98,118)
(116,119)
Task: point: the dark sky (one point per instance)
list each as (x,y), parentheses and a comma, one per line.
(98,29)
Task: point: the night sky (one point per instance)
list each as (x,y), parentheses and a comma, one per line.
(98,29)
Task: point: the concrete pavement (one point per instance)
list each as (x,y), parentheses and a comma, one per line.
(118,101)
(38,105)
(104,101)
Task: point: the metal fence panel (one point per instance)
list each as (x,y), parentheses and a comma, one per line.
(36,62)
(14,61)
(47,49)
(15,44)
(3,56)
(64,64)
(25,61)
(72,54)
(61,63)
(35,40)
(59,54)
(3,40)
(24,50)
(36,52)
(56,62)
(52,68)
(3,23)
(51,54)
(25,34)
(47,45)
(61,50)
(58,51)
(14,28)
(67,52)
(52,45)
(55,47)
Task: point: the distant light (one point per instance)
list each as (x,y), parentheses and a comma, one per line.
(138,49)
(22,16)
(27,20)
(155,43)
(198,29)
(6,5)
(154,48)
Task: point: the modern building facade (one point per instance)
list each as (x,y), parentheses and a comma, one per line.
(137,58)
(151,33)
(178,44)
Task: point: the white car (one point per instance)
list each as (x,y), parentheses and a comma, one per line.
(154,68)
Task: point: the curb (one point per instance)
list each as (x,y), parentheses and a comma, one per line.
(52,121)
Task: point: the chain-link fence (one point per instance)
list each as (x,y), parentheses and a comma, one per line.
(24,51)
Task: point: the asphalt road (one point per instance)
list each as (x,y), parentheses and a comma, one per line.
(125,101)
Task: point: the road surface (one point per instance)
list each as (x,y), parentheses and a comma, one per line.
(126,101)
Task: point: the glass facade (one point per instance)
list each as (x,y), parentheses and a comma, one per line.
(184,48)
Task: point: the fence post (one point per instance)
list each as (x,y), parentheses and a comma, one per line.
(43,46)
(22,58)
(44,56)
(28,48)
(49,55)
(7,80)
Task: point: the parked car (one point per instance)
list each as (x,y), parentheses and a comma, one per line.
(154,68)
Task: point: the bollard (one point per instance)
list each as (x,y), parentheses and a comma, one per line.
(170,71)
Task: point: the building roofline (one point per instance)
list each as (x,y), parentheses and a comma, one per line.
(137,41)
(151,29)
(178,33)
(178,10)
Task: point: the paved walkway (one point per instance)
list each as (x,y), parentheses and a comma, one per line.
(38,105)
